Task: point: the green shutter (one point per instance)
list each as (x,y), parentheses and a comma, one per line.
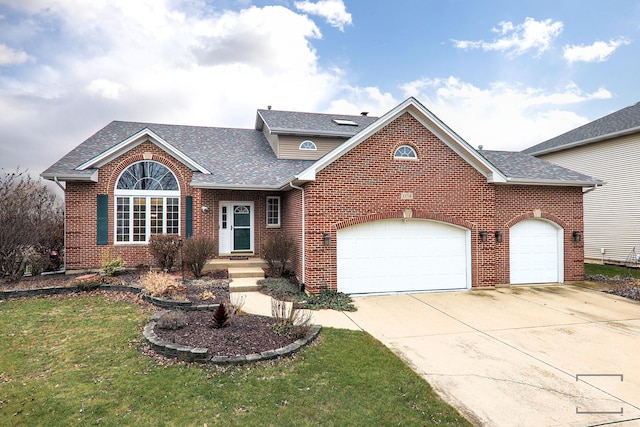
(189,216)
(103,220)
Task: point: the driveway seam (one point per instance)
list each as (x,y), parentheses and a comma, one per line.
(524,352)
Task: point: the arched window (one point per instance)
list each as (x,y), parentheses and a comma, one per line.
(147,202)
(308,145)
(405,152)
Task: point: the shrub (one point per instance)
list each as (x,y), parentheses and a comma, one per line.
(110,265)
(196,252)
(276,251)
(30,220)
(164,249)
(289,319)
(237,304)
(220,318)
(172,320)
(161,285)
(281,289)
(328,298)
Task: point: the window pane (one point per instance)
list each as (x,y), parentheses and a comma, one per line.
(273,211)
(123,224)
(147,176)
(172,215)
(156,217)
(139,219)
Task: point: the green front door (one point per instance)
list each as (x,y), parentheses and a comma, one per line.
(242,227)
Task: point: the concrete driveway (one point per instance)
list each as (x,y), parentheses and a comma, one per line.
(520,356)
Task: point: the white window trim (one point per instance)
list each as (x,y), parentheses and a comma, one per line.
(147,231)
(147,195)
(395,153)
(315,147)
(279,204)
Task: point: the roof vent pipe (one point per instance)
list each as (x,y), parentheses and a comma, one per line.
(268,107)
(364,113)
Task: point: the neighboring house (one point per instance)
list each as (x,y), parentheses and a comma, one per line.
(609,149)
(391,204)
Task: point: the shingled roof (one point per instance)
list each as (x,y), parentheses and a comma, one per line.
(520,167)
(243,158)
(296,123)
(619,123)
(235,157)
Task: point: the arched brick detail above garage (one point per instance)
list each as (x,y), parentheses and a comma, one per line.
(404,214)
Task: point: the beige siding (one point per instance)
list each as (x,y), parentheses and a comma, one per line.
(288,147)
(612,212)
(272,138)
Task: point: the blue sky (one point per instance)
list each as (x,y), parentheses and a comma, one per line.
(502,74)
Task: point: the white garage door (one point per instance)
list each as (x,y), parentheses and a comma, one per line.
(397,256)
(536,252)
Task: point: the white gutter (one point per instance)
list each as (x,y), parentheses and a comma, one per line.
(304,261)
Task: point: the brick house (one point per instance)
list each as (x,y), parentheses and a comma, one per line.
(391,204)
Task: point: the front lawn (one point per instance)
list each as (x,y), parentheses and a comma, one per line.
(78,361)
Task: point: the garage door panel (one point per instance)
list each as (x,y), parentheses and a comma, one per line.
(402,256)
(535,252)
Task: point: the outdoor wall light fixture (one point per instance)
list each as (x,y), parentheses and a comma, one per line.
(498,236)
(483,236)
(577,236)
(326,239)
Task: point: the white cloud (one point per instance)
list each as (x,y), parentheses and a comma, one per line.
(597,52)
(106,88)
(518,39)
(145,61)
(334,11)
(502,116)
(10,56)
(356,100)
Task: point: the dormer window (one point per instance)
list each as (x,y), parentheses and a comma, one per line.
(405,152)
(308,145)
(344,122)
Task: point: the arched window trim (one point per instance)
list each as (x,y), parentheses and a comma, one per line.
(405,152)
(309,145)
(140,214)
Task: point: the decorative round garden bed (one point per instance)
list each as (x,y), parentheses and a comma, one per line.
(248,338)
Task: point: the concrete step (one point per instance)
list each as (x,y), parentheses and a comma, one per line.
(243,272)
(226,263)
(244,284)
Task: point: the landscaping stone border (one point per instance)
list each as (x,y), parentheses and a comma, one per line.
(66,290)
(201,355)
(184,353)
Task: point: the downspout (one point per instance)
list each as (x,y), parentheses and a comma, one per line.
(64,222)
(304,258)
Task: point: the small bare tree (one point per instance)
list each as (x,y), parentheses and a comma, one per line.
(30,224)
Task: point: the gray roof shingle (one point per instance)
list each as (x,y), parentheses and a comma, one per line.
(291,122)
(521,166)
(235,157)
(616,123)
(243,158)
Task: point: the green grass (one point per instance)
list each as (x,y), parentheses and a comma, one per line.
(611,271)
(78,361)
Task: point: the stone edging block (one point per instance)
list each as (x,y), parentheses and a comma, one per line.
(189,354)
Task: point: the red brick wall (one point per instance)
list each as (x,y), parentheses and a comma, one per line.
(367,184)
(560,205)
(80,200)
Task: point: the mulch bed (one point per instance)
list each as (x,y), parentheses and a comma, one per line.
(246,334)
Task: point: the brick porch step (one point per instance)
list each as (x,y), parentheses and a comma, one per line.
(227,263)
